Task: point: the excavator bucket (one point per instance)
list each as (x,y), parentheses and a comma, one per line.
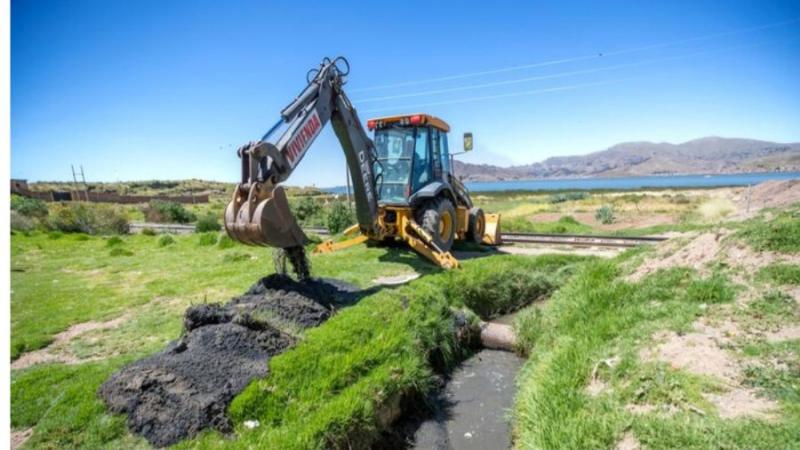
(491,234)
(261,216)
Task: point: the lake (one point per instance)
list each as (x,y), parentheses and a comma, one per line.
(667,181)
(621,183)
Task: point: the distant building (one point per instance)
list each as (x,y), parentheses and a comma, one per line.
(19,186)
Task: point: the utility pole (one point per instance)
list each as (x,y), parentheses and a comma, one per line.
(85,186)
(75,183)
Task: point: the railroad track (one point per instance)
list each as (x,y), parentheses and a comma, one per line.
(582,240)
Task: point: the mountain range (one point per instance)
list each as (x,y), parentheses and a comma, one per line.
(708,155)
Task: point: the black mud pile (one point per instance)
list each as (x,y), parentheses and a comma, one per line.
(187,387)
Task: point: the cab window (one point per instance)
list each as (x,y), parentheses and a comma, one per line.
(444,153)
(421,172)
(436,154)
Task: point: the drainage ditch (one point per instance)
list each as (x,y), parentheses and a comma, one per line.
(469,406)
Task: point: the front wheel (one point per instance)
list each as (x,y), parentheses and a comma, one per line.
(477,225)
(439,220)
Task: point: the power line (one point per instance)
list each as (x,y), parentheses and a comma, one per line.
(510,94)
(552,76)
(579,58)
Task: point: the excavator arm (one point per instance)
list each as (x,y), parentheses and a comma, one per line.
(258,213)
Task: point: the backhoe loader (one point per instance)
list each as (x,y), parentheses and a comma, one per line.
(403,185)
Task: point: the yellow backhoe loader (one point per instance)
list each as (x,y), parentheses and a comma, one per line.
(403,185)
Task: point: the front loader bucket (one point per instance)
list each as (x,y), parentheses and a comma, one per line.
(491,234)
(263,218)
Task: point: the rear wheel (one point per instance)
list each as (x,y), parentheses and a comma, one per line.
(439,219)
(477,225)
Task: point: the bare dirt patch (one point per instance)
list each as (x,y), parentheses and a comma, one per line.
(187,387)
(697,253)
(596,387)
(628,442)
(696,352)
(788,333)
(704,249)
(741,255)
(19,437)
(700,352)
(742,402)
(647,408)
(769,194)
(57,351)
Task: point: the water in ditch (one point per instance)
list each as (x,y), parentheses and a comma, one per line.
(471,410)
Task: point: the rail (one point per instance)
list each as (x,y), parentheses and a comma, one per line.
(583,240)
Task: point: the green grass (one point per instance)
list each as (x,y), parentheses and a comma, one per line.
(596,317)
(781,273)
(780,234)
(334,381)
(564,225)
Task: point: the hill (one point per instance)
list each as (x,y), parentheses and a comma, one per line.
(709,155)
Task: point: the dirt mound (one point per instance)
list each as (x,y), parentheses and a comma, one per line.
(697,253)
(769,194)
(187,387)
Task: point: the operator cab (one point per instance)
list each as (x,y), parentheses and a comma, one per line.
(412,152)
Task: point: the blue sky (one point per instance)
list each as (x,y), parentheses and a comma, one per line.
(168,89)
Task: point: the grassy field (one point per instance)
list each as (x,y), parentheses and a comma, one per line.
(634,213)
(591,383)
(589,326)
(341,371)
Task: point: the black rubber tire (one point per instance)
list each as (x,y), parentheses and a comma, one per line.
(477,225)
(430,218)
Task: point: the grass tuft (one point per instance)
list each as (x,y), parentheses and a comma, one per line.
(208,239)
(119,251)
(225,241)
(166,240)
(781,273)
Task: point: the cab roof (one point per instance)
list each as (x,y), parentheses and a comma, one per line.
(409,120)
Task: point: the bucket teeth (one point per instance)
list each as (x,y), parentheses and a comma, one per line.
(263,218)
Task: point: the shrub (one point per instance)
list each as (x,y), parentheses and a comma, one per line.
(339,218)
(307,208)
(21,222)
(225,242)
(166,212)
(166,240)
(88,218)
(148,232)
(208,239)
(30,207)
(680,199)
(605,214)
(207,223)
(567,196)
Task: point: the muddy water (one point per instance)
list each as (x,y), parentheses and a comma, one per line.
(471,410)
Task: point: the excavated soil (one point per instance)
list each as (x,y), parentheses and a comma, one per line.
(187,387)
